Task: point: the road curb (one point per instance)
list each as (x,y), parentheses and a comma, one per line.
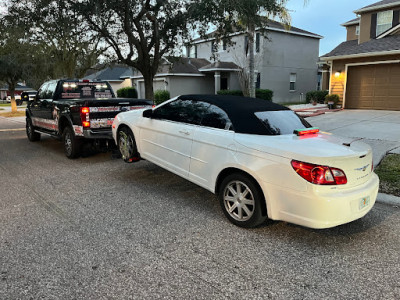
(388,199)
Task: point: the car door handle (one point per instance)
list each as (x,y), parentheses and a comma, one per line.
(184,132)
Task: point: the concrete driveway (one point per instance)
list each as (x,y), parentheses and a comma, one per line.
(378,128)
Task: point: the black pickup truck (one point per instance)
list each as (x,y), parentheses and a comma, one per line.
(77,111)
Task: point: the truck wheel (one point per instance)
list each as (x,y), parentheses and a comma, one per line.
(127,145)
(72,146)
(30,131)
(241,200)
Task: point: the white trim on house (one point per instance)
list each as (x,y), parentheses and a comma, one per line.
(267,29)
(218,70)
(362,64)
(391,30)
(356,22)
(171,74)
(376,7)
(391,52)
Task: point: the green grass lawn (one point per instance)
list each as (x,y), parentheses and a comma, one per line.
(389,174)
(4,104)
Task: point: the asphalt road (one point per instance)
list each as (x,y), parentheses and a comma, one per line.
(97,228)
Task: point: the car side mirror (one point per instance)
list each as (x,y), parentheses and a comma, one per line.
(148,113)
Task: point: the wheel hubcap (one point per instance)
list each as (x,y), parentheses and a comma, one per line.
(239,201)
(68,143)
(125,145)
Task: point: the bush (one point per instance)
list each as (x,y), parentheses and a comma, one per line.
(332,98)
(260,93)
(160,96)
(230,92)
(127,92)
(264,94)
(318,96)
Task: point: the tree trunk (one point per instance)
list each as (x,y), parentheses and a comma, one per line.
(11,88)
(252,85)
(148,86)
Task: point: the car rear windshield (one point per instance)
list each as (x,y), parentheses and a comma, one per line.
(281,121)
(79,90)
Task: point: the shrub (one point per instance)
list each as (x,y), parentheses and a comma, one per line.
(264,94)
(318,96)
(230,92)
(260,93)
(160,96)
(127,92)
(332,98)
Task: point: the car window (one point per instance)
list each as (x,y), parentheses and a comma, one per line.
(215,117)
(42,91)
(183,111)
(281,121)
(51,87)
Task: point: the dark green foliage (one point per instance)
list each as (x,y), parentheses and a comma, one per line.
(160,96)
(318,96)
(127,92)
(264,94)
(260,93)
(230,92)
(332,98)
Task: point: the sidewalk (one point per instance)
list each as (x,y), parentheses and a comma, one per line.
(14,119)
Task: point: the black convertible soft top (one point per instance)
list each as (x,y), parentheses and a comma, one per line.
(240,110)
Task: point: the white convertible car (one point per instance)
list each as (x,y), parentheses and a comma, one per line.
(260,158)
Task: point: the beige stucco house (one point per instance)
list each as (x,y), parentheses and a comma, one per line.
(365,69)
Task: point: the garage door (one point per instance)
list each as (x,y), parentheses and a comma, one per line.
(373,87)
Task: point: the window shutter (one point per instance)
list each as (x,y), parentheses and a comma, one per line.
(373,26)
(246,44)
(195,51)
(257,42)
(396,15)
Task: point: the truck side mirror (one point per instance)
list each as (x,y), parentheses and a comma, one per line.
(148,113)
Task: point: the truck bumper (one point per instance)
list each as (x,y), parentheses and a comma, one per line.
(103,134)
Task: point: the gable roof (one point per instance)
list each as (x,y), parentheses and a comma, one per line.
(186,65)
(355,21)
(369,48)
(112,73)
(272,26)
(220,66)
(378,5)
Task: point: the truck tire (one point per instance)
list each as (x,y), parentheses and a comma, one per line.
(72,145)
(30,131)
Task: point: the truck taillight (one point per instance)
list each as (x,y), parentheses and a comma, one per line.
(85,117)
(317,174)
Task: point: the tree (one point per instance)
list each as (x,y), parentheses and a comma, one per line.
(237,15)
(60,39)
(140,32)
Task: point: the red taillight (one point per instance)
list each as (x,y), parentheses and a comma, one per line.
(317,174)
(85,80)
(85,116)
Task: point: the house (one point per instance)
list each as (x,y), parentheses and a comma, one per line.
(286,62)
(118,76)
(21,87)
(179,76)
(365,69)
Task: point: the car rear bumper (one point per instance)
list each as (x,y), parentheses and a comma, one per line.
(323,210)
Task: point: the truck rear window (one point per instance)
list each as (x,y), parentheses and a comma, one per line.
(79,90)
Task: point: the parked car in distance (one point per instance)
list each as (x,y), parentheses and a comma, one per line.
(260,158)
(17,99)
(77,112)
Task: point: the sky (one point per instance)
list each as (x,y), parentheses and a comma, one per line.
(324,17)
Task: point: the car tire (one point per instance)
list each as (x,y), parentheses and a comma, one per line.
(30,131)
(127,145)
(72,145)
(241,200)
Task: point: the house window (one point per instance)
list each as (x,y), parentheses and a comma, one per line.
(192,51)
(257,46)
(293,78)
(384,21)
(357,30)
(246,44)
(258,81)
